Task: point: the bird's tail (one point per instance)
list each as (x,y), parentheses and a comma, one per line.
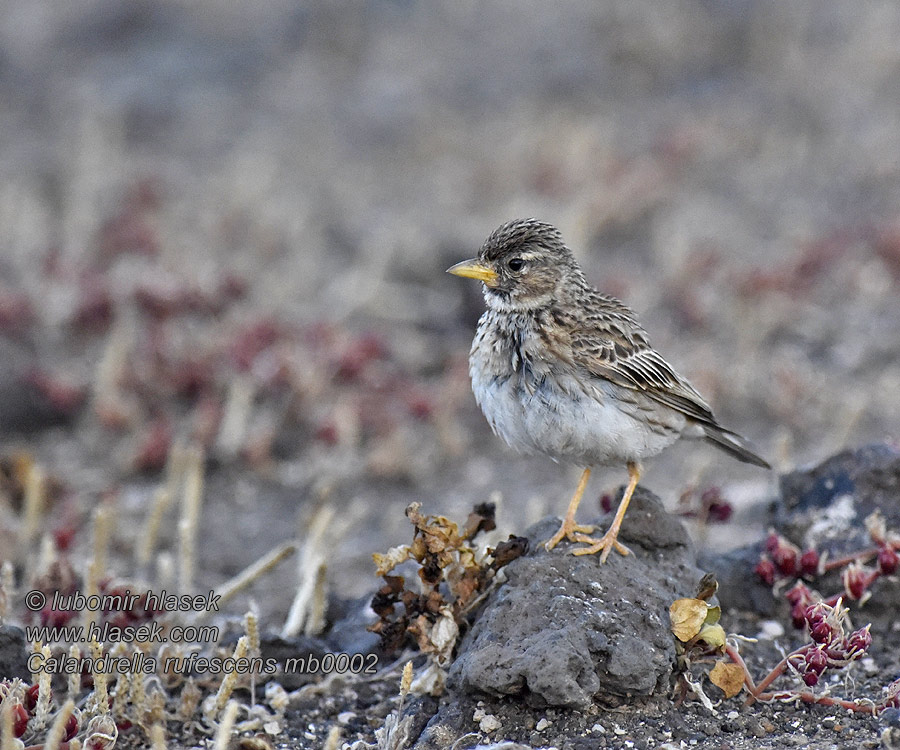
(734,444)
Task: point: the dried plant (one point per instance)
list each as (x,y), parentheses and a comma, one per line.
(452,578)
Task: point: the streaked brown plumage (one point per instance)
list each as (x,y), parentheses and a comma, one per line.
(561,369)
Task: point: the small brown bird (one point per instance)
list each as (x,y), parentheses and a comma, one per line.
(561,369)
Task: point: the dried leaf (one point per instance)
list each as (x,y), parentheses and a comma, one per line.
(707,587)
(687,616)
(412,513)
(507,551)
(385,598)
(480,519)
(384,564)
(728,677)
(444,635)
(431,572)
(441,535)
(420,629)
(417,549)
(466,587)
(467,558)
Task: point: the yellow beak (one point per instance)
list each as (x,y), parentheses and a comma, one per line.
(473,269)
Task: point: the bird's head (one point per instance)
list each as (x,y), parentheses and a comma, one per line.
(524,264)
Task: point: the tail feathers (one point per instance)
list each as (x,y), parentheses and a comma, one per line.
(734,445)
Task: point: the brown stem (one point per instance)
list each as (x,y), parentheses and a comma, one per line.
(769,679)
(736,657)
(861,556)
(824,700)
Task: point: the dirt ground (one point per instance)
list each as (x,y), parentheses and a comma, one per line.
(226,226)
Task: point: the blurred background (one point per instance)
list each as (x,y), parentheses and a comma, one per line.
(227,224)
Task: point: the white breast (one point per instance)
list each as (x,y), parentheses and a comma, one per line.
(536,407)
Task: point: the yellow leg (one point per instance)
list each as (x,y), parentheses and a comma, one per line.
(569,528)
(608,540)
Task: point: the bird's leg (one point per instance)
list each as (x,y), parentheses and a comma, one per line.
(608,540)
(569,528)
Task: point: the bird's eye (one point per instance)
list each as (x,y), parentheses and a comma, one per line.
(516,264)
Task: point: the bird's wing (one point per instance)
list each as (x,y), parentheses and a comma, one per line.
(607,342)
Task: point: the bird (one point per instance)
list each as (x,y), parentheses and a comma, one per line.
(561,369)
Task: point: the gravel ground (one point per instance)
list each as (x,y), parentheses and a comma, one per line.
(229,225)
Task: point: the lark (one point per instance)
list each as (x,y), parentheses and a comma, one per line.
(561,369)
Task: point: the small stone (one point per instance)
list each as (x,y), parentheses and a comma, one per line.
(346,717)
(890,717)
(769,630)
(756,729)
(542,725)
(598,728)
(890,738)
(479,713)
(732,715)
(618,730)
(489,723)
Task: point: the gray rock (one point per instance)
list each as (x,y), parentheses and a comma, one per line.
(349,632)
(739,588)
(890,717)
(24,406)
(13,653)
(447,727)
(307,651)
(564,628)
(825,506)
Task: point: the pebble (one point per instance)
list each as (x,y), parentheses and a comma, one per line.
(346,717)
(890,738)
(489,723)
(542,725)
(598,728)
(769,630)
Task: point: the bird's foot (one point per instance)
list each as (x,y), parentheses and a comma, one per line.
(568,530)
(606,543)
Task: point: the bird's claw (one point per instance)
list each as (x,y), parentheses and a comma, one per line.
(606,543)
(568,530)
